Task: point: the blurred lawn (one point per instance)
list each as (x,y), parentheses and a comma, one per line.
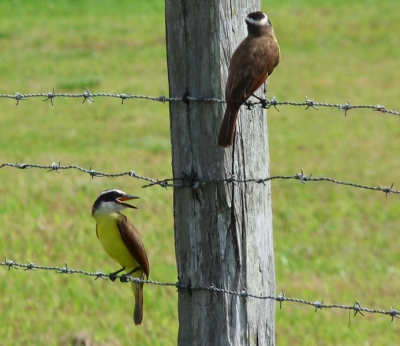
(332,242)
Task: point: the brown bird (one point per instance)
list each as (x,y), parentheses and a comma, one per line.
(251,64)
(121,241)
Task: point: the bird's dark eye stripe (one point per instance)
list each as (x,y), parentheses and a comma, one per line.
(111,195)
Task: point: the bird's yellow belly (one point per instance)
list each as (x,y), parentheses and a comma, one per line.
(110,238)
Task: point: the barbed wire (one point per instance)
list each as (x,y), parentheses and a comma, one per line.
(244,293)
(57,167)
(193,181)
(263,103)
(88,96)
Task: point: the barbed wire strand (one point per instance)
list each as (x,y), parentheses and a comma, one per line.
(56,167)
(264,103)
(194,182)
(318,305)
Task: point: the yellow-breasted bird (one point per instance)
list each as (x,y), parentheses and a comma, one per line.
(251,64)
(121,241)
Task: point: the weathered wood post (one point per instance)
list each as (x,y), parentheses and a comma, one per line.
(223,231)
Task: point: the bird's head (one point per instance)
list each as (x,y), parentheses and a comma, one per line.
(112,201)
(257,22)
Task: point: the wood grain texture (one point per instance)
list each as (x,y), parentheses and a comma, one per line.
(223,232)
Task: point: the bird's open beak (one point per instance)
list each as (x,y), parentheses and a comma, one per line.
(121,200)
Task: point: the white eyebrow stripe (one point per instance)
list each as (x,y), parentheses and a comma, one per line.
(261,22)
(113,190)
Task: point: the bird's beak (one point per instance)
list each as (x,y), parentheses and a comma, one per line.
(121,200)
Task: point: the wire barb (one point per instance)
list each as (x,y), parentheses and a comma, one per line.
(310,103)
(55,167)
(357,309)
(123,97)
(87,96)
(394,313)
(318,305)
(280,298)
(274,103)
(19,97)
(346,107)
(380,108)
(50,96)
(30,266)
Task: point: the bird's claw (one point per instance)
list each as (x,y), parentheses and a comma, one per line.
(124,278)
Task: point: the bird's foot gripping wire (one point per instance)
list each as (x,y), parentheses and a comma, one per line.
(262,102)
(113,276)
(125,277)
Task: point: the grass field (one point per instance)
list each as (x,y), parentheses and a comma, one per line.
(332,243)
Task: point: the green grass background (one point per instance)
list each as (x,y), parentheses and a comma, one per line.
(332,243)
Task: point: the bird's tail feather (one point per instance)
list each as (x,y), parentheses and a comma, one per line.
(228,127)
(138,312)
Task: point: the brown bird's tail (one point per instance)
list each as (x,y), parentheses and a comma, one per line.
(138,312)
(228,127)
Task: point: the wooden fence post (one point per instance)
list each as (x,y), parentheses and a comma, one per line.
(223,230)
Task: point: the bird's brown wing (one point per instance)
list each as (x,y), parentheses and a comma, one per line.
(241,76)
(241,86)
(131,238)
